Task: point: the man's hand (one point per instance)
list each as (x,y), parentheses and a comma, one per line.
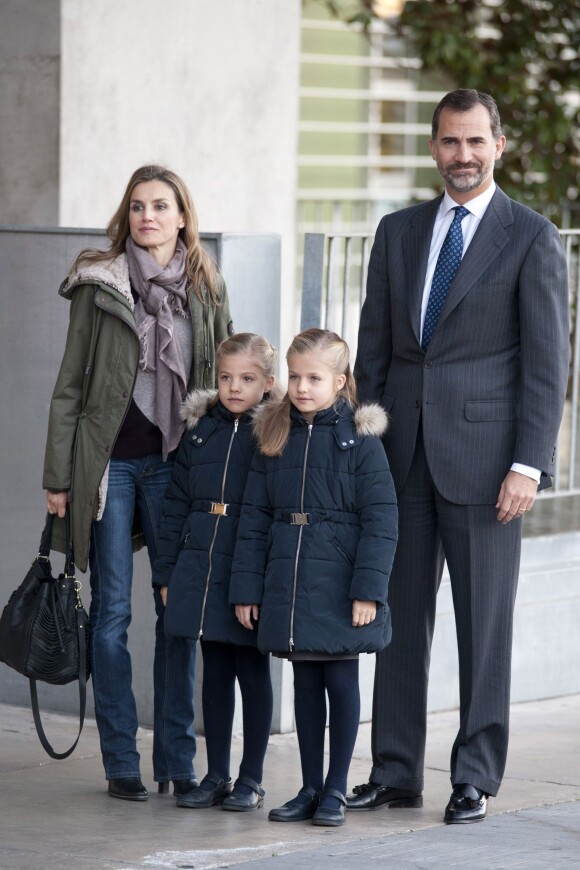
(163,593)
(516,496)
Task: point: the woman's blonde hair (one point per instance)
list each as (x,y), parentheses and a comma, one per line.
(199,267)
(261,351)
(274,430)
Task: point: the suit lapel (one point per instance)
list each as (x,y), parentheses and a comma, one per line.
(416,243)
(489,240)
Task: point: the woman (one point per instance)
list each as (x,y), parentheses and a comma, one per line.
(146,316)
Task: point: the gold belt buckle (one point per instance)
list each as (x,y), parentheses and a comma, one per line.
(299,519)
(219,508)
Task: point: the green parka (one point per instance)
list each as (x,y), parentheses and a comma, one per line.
(95,384)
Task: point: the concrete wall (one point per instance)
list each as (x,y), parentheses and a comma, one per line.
(29,110)
(208,88)
(546,642)
(89,91)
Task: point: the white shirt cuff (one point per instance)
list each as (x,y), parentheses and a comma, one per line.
(534,473)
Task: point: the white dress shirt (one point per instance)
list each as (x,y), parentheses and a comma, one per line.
(476,207)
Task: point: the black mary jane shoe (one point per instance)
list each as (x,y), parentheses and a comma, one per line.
(201,798)
(180,786)
(295,811)
(467,804)
(372,795)
(327,817)
(128,788)
(244,803)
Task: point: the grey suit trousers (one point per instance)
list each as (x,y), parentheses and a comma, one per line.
(483,559)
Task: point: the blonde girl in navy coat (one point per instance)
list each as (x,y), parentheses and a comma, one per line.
(315,546)
(196,545)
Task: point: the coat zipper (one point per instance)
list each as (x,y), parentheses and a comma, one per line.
(206,314)
(215,531)
(300,530)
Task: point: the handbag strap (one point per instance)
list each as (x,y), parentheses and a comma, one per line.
(82,636)
(46,540)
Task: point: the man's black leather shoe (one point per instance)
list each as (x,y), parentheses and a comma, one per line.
(467,804)
(128,788)
(294,811)
(371,796)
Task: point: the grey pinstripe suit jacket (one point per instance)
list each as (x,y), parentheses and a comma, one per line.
(490,389)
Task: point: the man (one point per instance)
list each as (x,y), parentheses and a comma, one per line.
(464,340)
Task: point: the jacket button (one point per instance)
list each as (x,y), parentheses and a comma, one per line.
(343,443)
(125,394)
(428,365)
(199,440)
(351,441)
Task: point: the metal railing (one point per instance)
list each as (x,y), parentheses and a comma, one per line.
(333,290)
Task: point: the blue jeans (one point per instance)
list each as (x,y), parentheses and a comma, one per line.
(136,485)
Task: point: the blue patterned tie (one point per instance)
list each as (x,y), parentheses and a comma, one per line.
(447,264)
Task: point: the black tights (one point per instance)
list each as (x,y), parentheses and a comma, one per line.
(222,664)
(312,681)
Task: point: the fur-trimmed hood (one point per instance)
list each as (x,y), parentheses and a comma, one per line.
(369,420)
(114,273)
(195,406)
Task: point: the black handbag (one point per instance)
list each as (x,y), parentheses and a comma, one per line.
(44,630)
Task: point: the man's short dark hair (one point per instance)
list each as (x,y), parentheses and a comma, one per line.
(462,100)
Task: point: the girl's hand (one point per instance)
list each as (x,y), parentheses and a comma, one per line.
(163,591)
(363,612)
(246,612)
(56,503)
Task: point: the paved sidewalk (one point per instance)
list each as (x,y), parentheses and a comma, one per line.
(56,814)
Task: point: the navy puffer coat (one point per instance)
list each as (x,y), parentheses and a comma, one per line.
(196,546)
(306,576)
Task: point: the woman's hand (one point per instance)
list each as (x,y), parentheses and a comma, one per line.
(56,503)
(363,612)
(163,593)
(246,612)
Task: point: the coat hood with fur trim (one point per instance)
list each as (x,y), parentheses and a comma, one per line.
(196,405)
(114,273)
(369,420)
